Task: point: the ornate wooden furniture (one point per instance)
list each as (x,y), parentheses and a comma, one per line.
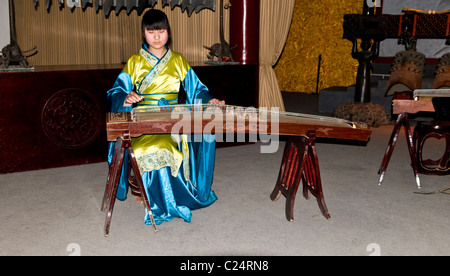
(403,105)
(299,161)
(401,26)
(407,27)
(54,115)
(438,129)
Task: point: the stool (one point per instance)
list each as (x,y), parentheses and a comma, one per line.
(402,121)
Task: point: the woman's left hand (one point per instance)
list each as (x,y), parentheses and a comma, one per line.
(216,101)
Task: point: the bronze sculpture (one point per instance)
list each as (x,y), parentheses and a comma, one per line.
(221,50)
(11,53)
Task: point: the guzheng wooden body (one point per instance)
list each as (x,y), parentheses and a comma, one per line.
(227,119)
(421,101)
(299,163)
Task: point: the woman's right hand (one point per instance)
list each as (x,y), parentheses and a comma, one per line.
(132,98)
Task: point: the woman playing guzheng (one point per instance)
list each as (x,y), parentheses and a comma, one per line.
(177,176)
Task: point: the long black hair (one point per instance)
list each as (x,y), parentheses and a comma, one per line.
(155,20)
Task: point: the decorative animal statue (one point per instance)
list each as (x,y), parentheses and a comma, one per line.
(11,53)
(221,50)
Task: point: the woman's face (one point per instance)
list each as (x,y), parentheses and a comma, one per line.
(157,39)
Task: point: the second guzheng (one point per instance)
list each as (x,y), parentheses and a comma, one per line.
(422,100)
(299,162)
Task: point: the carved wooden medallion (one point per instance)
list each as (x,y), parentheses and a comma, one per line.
(71,118)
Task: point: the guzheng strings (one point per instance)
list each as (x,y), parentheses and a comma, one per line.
(228,123)
(250,113)
(231,123)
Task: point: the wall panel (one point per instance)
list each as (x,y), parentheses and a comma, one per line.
(73,37)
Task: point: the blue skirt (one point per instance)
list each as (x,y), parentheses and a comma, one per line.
(170,196)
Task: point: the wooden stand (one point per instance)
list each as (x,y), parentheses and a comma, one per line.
(402,120)
(300,163)
(115,170)
(439,129)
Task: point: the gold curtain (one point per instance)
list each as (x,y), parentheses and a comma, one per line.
(275,21)
(77,37)
(317,30)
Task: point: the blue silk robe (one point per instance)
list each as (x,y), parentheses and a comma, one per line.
(177,174)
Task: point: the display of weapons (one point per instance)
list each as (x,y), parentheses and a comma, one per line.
(193,5)
(84,3)
(140,5)
(175,3)
(131,4)
(107,6)
(98,5)
(207,4)
(165,3)
(120,4)
(152,3)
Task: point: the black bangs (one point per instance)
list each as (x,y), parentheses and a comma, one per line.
(155,20)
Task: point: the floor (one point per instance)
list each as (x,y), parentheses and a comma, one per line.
(56,212)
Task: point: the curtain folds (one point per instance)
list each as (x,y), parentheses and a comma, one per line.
(275,21)
(77,37)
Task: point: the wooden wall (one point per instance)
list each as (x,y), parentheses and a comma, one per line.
(74,37)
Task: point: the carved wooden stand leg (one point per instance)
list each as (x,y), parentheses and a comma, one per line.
(422,133)
(402,120)
(300,163)
(112,184)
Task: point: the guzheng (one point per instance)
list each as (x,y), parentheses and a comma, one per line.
(428,94)
(421,101)
(299,162)
(227,118)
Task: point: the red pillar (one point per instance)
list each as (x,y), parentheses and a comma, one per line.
(244,30)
